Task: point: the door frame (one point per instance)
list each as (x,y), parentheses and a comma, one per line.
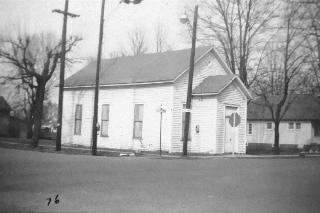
(224,129)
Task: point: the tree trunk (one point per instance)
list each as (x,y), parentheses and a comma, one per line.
(243,76)
(29,127)
(276,148)
(242,71)
(30,122)
(38,110)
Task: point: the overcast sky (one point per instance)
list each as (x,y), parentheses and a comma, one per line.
(120,19)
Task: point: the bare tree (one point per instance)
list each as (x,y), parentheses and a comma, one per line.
(20,95)
(137,42)
(161,39)
(117,54)
(17,98)
(35,58)
(283,67)
(235,27)
(312,33)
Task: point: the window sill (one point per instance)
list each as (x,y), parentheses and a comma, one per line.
(104,136)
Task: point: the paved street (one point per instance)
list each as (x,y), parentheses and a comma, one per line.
(148,184)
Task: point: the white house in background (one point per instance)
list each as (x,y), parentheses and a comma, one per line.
(134,88)
(300,125)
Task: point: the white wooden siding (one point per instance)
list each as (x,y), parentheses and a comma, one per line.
(205,112)
(121,101)
(208,66)
(300,137)
(204,115)
(70,99)
(231,96)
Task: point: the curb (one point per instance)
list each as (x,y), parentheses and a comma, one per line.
(171,157)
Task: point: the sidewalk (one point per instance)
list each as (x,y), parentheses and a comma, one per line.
(49,146)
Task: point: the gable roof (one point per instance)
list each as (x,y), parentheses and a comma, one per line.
(4,106)
(303,107)
(163,67)
(213,85)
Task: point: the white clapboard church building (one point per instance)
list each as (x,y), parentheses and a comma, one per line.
(133,89)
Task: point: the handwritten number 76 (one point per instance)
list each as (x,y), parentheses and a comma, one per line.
(56,200)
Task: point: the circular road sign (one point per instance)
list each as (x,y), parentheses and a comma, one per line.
(235,119)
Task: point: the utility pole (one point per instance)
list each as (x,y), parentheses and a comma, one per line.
(62,68)
(96,90)
(95,123)
(190,80)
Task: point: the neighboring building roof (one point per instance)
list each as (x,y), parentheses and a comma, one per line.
(4,106)
(303,107)
(213,85)
(148,68)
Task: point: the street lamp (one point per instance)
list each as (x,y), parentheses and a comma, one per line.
(95,124)
(184,19)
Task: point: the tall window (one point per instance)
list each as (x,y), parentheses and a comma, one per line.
(250,129)
(78,119)
(105,120)
(183,123)
(269,126)
(138,121)
(290,125)
(298,125)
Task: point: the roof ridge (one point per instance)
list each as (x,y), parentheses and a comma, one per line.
(156,53)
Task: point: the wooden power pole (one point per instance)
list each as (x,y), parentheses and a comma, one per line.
(96,90)
(62,68)
(190,80)
(95,123)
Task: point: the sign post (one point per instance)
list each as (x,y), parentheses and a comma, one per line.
(161,110)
